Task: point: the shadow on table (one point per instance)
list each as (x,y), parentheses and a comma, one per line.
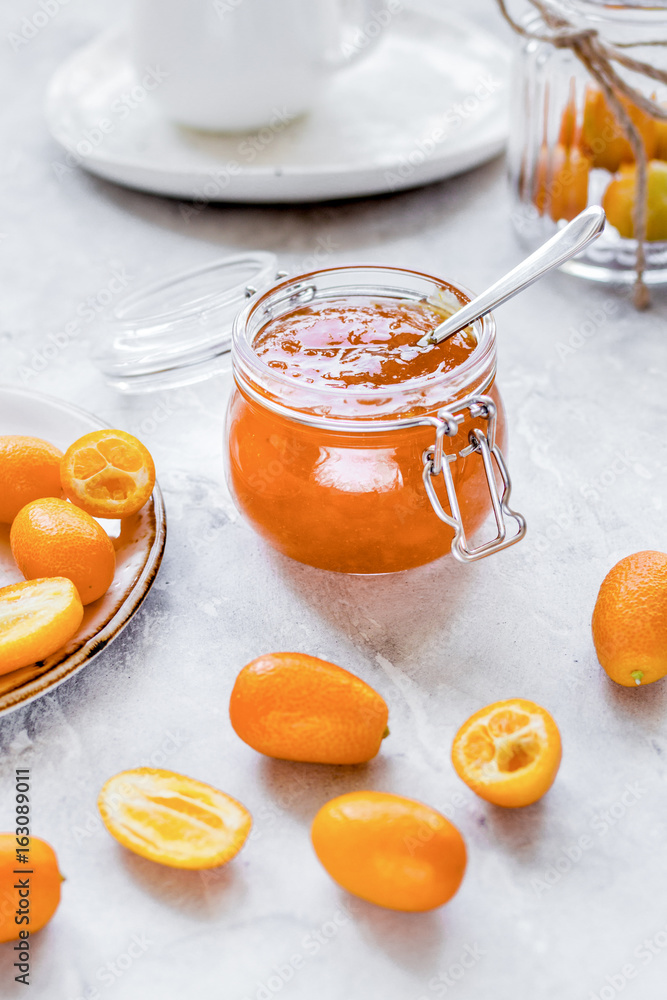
(199,894)
(645,705)
(414,941)
(519,832)
(312,228)
(300,789)
(396,614)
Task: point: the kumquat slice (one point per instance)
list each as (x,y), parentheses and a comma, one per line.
(108,473)
(174,820)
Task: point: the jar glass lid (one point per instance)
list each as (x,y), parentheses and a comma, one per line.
(177,330)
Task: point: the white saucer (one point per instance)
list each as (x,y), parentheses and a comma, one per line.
(386,124)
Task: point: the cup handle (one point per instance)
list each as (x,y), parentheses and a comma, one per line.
(363,24)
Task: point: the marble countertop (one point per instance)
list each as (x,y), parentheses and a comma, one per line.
(565,899)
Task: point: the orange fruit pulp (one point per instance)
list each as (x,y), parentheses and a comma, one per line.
(29,469)
(44,885)
(508,753)
(630,619)
(108,473)
(390,850)
(52,537)
(299,707)
(36,618)
(174,820)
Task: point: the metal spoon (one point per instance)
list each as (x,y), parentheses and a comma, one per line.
(583,229)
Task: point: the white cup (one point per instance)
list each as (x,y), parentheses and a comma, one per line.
(234,65)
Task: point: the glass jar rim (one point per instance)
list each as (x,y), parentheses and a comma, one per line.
(478,367)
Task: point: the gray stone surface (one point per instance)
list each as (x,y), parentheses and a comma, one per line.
(589,460)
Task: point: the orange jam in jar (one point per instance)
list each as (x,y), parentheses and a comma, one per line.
(344,436)
(362,342)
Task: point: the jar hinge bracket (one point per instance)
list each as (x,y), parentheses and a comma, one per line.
(438,462)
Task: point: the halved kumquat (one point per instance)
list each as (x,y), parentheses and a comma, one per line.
(389,850)
(36,618)
(508,753)
(174,820)
(108,473)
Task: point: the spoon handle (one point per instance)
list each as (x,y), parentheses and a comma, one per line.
(583,229)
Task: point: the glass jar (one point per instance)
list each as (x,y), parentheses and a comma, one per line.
(567,149)
(361,481)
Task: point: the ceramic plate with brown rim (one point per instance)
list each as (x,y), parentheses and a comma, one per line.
(139,542)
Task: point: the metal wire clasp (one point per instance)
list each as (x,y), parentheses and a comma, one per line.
(438,461)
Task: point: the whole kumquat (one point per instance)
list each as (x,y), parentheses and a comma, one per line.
(604,138)
(561,182)
(630,619)
(44,882)
(508,753)
(54,538)
(569,183)
(108,473)
(620,196)
(174,820)
(298,707)
(389,850)
(36,618)
(29,470)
